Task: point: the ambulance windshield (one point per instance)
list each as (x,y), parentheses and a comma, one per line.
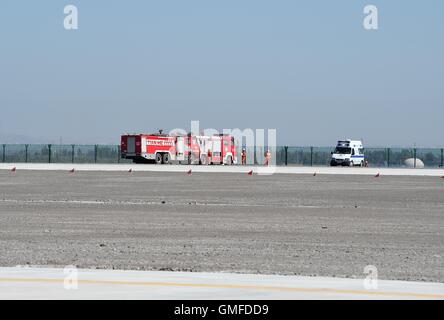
(343,150)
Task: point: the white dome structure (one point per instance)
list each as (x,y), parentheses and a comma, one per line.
(410,163)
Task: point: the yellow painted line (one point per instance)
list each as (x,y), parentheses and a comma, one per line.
(234,286)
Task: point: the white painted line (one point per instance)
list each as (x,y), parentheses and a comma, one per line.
(48,283)
(224,169)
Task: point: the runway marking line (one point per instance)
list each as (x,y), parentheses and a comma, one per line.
(234,286)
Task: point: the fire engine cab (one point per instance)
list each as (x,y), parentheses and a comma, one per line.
(190,149)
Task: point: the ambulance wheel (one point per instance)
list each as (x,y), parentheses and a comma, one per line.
(158,158)
(166,158)
(204,160)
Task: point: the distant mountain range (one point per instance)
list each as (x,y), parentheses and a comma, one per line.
(8,138)
(18,139)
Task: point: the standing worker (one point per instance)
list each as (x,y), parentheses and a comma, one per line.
(210,156)
(267,157)
(244,157)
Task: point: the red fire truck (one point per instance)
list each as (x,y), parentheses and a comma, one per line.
(190,149)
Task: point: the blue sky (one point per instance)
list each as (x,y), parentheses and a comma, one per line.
(307,68)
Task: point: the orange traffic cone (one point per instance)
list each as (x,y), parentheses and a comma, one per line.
(14,169)
(250,173)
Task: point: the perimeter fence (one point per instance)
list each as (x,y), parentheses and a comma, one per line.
(285,155)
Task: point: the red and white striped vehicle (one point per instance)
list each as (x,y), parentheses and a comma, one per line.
(190,149)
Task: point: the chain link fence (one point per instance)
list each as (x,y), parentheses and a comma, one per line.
(51,153)
(284,155)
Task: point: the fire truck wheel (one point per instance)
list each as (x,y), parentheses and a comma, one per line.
(158,158)
(166,158)
(204,160)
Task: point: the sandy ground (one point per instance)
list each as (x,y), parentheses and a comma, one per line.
(324,225)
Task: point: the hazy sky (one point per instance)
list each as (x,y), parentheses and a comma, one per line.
(307,68)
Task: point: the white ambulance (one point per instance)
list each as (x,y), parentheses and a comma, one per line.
(348,153)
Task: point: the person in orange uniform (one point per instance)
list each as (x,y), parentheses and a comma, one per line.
(244,157)
(210,155)
(267,157)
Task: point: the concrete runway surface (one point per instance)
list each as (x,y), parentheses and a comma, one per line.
(50,283)
(224,169)
(328,225)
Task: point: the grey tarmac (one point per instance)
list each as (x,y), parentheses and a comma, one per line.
(287,224)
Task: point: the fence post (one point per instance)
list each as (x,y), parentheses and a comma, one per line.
(311,156)
(442,158)
(49,153)
(286,155)
(26,152)
(388,157)
(118,153)
(414,157)
(95,153)
(4,153)
(72,153)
